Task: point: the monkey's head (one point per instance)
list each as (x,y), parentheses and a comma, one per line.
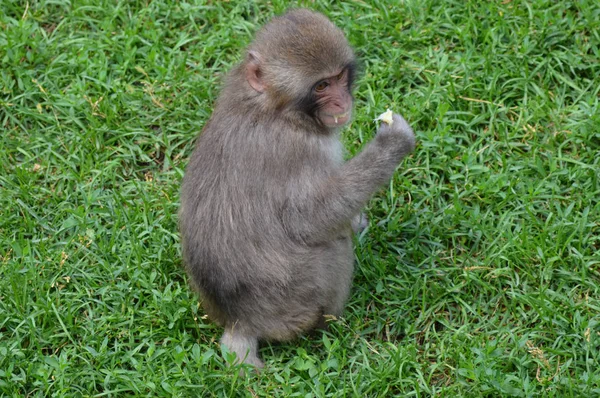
(302,62)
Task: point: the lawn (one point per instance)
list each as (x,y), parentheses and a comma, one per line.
(478,276)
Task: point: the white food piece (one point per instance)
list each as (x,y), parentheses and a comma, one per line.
(386,117)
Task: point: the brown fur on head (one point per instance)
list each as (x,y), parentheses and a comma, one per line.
(292,55)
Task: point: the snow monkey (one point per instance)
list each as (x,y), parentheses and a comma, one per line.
(267,201)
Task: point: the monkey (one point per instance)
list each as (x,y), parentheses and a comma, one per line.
(267,201)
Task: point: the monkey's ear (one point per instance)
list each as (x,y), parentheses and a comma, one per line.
(253,71)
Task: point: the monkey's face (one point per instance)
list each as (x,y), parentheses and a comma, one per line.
(302,63)
(333,99)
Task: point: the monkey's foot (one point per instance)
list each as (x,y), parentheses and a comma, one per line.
(244,347)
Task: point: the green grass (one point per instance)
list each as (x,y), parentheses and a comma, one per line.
(479,275)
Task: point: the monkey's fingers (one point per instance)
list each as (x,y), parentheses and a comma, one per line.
(399,134)
(395,124)
(400,123)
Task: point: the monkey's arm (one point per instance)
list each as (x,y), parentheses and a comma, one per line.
(327,206)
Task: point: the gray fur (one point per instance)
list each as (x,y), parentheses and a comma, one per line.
(267,204)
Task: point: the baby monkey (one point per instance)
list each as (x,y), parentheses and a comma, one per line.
(267,202)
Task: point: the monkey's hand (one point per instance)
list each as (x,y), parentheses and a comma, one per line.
(398,136)
(360,223)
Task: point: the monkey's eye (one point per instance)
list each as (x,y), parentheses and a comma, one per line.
(320,87)
(341,75)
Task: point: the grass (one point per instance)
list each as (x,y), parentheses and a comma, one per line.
(479,275)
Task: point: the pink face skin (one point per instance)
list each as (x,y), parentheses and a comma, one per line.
(332,95)
(334,100)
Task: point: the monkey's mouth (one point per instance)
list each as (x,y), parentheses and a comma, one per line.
(336,120)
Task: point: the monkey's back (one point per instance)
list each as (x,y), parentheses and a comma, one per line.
(238,253)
